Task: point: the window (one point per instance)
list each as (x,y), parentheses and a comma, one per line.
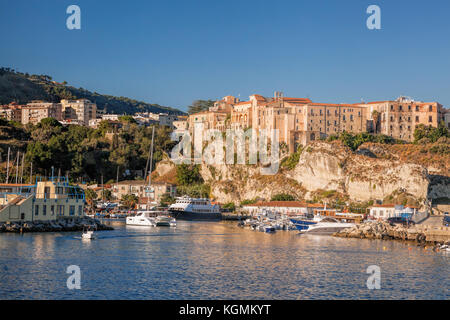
(431,108)
(399,108)
(430,119)
(417,108)
(44,210)
(71,210)
(392,107)
(343,117)
(80,210)
(351,117)
(52,210)
(409,108)
(36,210)
(417,118)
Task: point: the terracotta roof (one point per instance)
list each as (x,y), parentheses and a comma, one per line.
(334,105)
(291,204)
(242,103)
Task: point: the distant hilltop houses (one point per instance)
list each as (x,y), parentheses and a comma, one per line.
(82,112)
(300,120)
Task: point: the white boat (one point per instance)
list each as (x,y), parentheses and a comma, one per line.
(186,208)
(327,225)
(88,234)
(143,218)
(163,221)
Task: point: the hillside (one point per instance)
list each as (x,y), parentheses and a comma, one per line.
(23,88)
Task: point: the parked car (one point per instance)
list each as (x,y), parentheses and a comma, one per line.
(400,220)
(446,221)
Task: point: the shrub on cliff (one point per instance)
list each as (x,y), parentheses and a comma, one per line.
(353,141)
(427,134)
(283,197)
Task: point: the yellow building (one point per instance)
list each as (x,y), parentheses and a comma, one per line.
(47,200)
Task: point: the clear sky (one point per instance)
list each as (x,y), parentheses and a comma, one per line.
(173,52)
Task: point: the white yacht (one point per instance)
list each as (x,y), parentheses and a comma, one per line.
(186,208)
(143,218)
(165,221)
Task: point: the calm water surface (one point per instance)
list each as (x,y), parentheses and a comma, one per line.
(215,261)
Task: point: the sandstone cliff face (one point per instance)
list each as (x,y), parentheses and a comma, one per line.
(334,167)
(234,183)
(363,175)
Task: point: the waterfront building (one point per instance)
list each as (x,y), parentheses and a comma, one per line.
(34,112)
(385,211)
(82,110)
(43,201)
(283,207)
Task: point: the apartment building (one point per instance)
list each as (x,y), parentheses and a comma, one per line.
(11,112)
(34,112)
(399,118)
(82,110)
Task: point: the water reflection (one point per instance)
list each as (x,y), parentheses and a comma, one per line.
(215,261)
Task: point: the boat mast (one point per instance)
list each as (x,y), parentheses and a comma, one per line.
(17,167)
(150,172)
(7,166)
(21,169)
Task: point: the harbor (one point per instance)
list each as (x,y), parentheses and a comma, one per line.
(215,260)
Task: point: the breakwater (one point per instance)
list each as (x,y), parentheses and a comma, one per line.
(62,225)
(385,231)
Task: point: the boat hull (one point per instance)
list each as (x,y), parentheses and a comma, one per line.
(194,216)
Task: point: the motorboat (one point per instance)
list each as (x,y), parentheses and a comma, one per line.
(163,221)
(143,218)
(326,225)
(88,235)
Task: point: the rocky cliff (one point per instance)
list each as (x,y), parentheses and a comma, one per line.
(372,172)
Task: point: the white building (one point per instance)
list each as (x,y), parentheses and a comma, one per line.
(283,207)
(385,211)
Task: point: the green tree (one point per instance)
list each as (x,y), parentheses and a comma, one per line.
(129,201)
(166,200)
(283,197)
(188,174)
(91,196)
(200,105)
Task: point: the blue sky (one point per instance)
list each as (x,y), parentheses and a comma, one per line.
(173,52)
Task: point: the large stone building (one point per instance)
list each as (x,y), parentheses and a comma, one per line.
(399,118)
(81,110)
(299,120)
